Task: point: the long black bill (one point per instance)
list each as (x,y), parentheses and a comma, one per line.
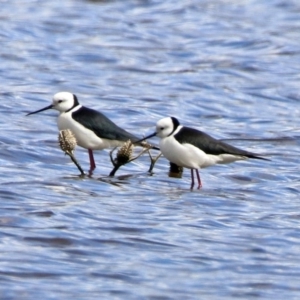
(45,108)
(145,138)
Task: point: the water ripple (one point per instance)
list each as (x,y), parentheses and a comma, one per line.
(227,68)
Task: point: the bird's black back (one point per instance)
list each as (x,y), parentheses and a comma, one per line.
(102,126)
(209,144)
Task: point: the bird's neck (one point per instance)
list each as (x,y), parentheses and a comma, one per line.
(72,109)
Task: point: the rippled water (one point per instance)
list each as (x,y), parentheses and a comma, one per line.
(230,68)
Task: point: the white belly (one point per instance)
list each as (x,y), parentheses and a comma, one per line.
(183,155)
(85,138)
(189,156)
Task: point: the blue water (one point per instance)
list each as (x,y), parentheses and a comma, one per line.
(230,68)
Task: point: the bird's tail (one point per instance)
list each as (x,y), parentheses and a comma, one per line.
(257,157)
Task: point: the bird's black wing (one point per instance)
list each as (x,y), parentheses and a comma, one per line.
(209,144)
(102,126)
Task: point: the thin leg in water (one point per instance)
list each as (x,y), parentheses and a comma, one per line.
(199,180)
(192,175)
(92,161)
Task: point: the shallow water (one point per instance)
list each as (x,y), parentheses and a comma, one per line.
(230,69)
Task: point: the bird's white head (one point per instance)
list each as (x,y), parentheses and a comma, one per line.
(62,101)
(166,126)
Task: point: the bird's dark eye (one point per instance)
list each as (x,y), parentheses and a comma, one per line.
(60,101)
(162,128)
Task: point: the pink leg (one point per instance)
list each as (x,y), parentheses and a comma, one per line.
(199,180)
(192,175)
(92,161)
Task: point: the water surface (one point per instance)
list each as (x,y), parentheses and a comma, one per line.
(230,69)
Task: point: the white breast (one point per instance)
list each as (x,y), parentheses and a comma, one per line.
(86,138)
(184,155)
